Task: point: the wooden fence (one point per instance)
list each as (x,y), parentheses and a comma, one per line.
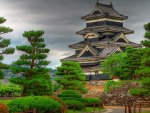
(140,105)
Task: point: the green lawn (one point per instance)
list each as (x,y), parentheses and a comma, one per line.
(88,109)
(5,101)
(146,112)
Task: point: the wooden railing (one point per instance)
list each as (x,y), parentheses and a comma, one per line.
(140,105)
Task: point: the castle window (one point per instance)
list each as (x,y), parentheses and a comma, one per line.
(110,23)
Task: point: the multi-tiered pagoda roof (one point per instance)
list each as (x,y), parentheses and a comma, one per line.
(103,35)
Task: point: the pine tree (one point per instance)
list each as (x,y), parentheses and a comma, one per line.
(31,65)
(131,62)
(4,45)
(123,65)
(113,64)
(145,65)
(72,76)
(144,71)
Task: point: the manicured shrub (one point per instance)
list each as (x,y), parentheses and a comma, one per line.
(41,104)
(90,101)
(111,85)
(70,94)
(72,99)
(93,102)
(74,104)
(10,89)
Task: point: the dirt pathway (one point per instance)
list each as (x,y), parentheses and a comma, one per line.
(111,109)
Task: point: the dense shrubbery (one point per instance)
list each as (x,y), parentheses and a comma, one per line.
(111,85)
(10,89)
(41,104)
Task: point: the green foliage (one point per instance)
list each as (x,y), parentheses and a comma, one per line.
(5,102)
(4,43)
(144,90)
(144,70)
(2,20)
(31,65)
(72,76)
(145,64)
(72,98)
(1,75)
(139,92)
(132,62)
(41,104)
(10,89)
(112,85)
(112,65)
(56,86)
(123,65)
(70,95)
(9,51)
(91,101)
(74,104)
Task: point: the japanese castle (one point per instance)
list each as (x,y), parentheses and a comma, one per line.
(103,35)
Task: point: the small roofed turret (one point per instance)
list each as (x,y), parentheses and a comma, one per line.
(104,11)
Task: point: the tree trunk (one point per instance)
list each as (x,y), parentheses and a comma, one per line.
(125,110)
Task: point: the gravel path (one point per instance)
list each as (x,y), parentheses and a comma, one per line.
(118,110)
(115,110)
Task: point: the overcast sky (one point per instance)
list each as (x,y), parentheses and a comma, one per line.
(60,19)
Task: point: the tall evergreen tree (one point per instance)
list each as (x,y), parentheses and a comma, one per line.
(31,65)
(145,65)
(4,45)
(123,65)
(113,64)
(144,71)
(131,62)
(72,76)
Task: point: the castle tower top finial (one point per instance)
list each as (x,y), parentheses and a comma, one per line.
(97,1)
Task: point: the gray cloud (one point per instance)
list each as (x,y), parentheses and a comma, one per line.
(60,19)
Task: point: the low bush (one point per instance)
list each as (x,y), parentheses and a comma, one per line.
(41,104)
(10,90)
(111,85)
(74,104)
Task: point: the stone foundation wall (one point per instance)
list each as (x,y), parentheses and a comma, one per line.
(95,88)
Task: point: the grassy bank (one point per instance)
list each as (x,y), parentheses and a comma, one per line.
(88,109)
(5,101)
